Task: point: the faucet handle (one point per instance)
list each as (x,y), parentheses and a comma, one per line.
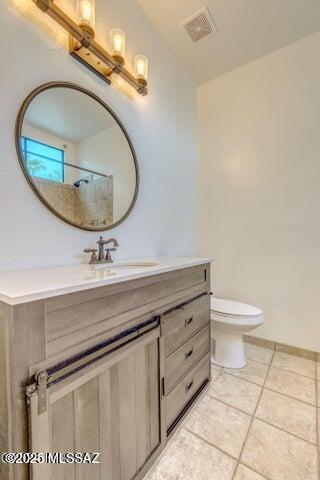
(93,252)
(108,254)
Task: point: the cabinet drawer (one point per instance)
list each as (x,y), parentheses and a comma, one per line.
(182,359)
(184,391)
(184,321)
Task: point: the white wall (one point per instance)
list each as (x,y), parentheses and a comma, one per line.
(161,125)
(259,188)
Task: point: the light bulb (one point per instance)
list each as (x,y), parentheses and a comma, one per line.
(117,43)
(86,14)
(140,66)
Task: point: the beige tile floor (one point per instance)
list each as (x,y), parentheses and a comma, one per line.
(258,423)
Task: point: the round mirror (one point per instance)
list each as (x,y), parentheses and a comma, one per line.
(77,156)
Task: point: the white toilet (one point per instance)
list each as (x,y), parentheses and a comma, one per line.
(229,320)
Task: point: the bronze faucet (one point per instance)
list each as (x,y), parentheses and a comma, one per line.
(103,256)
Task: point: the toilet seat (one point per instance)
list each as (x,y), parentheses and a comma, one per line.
(230,308)
(253,321)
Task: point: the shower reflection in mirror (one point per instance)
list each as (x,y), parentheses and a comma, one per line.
(84,196)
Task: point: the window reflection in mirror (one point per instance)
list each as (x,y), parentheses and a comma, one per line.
(78,158)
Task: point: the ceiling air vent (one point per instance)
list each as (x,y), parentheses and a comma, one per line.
(200,25)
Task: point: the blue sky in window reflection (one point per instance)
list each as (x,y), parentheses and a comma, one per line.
(43,160)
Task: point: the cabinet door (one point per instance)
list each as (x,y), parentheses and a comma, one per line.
(113,408)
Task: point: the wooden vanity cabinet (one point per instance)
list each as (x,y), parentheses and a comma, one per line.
(123,403)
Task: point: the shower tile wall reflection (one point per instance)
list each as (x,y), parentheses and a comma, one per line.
(90,204)
(93,202)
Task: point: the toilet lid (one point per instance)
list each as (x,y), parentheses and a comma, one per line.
(230,307)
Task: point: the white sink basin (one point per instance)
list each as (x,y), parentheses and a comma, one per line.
(132,264)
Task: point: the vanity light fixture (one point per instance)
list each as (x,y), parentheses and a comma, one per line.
(84,47)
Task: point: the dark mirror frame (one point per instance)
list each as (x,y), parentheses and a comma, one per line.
(18,132)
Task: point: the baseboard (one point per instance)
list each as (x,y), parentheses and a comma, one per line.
(282,347)
(260,342)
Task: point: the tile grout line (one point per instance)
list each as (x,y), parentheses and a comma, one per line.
(229,405)
(272,388)
(222,451)
(309,353)
(245,379)
(286,431)
(291,371)
(281,368)
(315,444)
(209,443)
(258,361)
(253,416)
(263,387)
(252,419)
(278,368)
(291,398)
(254,470)
(251,360)
(182,427)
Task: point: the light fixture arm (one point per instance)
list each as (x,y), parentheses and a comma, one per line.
(81,39)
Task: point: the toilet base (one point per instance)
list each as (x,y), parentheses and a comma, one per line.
(228,351)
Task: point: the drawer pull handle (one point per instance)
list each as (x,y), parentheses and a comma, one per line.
(189,386)
(188,354)
(189,320)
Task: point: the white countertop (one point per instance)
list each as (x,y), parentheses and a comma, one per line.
(29,285)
